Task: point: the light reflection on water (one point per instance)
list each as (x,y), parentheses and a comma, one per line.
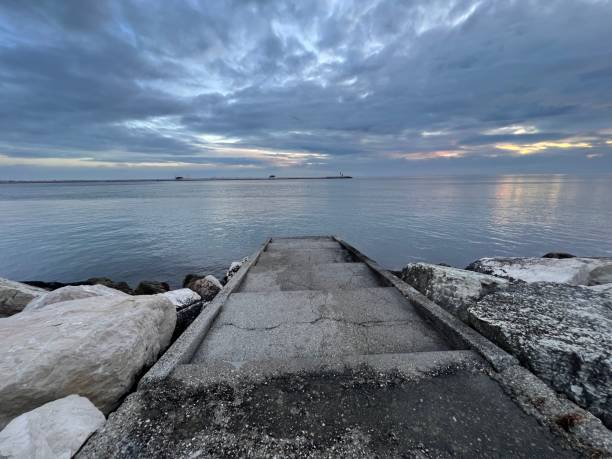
(163,230)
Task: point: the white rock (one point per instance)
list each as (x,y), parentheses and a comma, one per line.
(14,296)
(574,271)
(453,289)
(71,292)
(94,347)
(182,297)
(54,430)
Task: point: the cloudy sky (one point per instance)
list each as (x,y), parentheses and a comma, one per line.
(118,89)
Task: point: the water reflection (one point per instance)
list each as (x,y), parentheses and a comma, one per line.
(161,231)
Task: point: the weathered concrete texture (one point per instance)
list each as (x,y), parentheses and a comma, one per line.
(453,289)
(95,347)
(560,332)
(300,257)
(255,326)
(14,296)
(314,277)
(352,413)
(54,430)
(574,271)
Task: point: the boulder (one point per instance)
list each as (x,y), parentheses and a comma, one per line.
(95,347)
(453,289)
(233,269)
(14,296)
(574,271)
(182,297)
(562,333)
(207,287)
(151,288)
(71,293)
(56,429)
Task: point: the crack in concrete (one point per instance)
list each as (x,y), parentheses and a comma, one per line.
(365,324)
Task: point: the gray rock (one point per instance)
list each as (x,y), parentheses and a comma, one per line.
(151,288)
(562,333)
(453,289)
(123,286)
(54,430)
(95,347)
(14,296)
(207,287)
(70,293)
(574,271)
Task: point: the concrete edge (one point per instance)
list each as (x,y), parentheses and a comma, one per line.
(185,346)
(577,425)
(444,322)
(411,365)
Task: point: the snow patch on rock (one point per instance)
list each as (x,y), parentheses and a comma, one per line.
(573,271)
(182,297)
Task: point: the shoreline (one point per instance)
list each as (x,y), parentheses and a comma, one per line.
(211,179)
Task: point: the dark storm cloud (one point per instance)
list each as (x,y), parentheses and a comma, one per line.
(379,85)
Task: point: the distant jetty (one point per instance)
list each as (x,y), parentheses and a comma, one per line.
(181,179)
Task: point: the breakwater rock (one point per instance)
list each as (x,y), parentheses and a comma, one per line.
(54,430)
(574,271)
(95,347)
(561,332)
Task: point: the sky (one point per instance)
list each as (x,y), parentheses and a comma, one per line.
(153,89)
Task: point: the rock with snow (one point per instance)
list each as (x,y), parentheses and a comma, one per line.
(69,293)
(574,271)
(95,347)
(207,287)
(182,297)
(233,269)
(562,333)
(14,296)
(54,430)
(453,289)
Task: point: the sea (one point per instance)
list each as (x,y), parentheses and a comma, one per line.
(162,230)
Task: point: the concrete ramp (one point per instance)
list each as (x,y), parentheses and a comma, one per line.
(312,350)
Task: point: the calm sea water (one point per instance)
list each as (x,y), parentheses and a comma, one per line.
(162,230)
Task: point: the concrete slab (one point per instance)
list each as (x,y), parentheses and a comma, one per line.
(301,257)
(257,326)
(327,276)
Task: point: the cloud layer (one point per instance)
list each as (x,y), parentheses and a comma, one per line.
(248,88)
